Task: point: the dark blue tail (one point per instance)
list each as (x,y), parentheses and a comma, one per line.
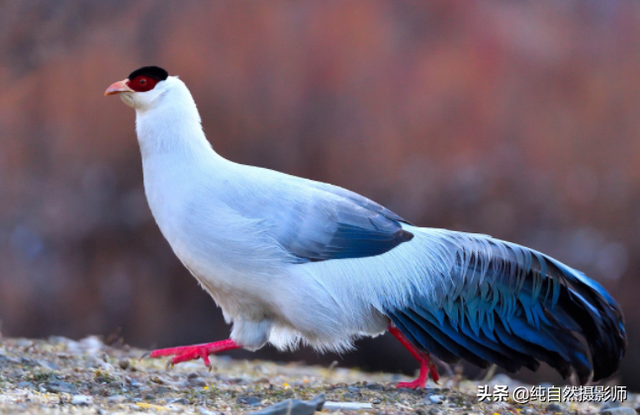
(521,309)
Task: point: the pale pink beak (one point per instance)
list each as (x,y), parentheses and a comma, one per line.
(118,87)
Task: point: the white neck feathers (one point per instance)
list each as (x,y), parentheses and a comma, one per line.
(171,125)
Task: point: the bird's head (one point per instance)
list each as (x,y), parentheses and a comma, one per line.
(143,87)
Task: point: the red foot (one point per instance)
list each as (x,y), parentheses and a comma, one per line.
(186,353)
(426,366)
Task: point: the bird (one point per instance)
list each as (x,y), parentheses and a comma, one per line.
(292,261)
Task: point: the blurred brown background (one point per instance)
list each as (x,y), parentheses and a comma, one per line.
(516,119)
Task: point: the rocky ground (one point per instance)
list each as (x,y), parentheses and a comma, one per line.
(59,376)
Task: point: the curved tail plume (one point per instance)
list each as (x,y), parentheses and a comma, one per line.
(512,306)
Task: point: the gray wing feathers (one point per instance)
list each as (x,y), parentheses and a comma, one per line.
(314,221)
(337,225)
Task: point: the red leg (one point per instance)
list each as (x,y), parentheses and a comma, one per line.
(426,366)
(186,353)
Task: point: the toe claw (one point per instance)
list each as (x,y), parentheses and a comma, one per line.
(205,358)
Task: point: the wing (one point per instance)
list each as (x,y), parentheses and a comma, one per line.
(314,221)
(506,304)
(328,222)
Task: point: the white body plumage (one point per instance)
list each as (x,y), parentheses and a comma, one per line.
(195,196)
(290,260)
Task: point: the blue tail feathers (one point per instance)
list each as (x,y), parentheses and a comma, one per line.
(513,307)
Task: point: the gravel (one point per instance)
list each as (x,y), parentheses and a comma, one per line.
(623,410)
(63,376)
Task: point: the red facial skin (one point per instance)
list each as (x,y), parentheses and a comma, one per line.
(142,83)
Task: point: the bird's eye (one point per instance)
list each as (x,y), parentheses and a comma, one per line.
(143,83)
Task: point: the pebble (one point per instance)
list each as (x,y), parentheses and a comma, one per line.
(23,343)
(610,404)
(4,359)
(117,399)
(295,407)
(58,386)
(90,345)
(17,373)
(346,406)
(554,408)
(196,382)
(134,383)
(249,400)
(161,390)
(92,362)
(351,396)
(25,361)
(81,400)
(501,379)
(49,365)
(204,411)
(180,401)
(622,410)
(436,398)
(57,340)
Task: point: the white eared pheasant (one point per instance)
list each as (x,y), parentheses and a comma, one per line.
(291,260)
